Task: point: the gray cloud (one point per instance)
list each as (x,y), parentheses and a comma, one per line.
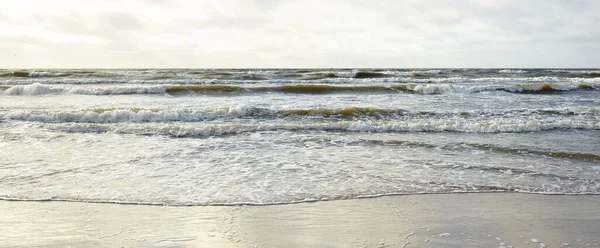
(308,33)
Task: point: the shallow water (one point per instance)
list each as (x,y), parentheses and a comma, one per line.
(214,137)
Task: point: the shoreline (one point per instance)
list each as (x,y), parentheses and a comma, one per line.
(306,201)
(421,220)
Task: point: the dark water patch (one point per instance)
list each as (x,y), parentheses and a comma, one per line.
(420,76)
(545,88)
(296,89)
(346,112)
(319,89)
(417,75)
(586,87)
(36,74)
(537,89)
(203,72)
(582,75)
(525,151)
(517,171)
(19,74)
(160,77)
(488,147)
(369,74)
(406,88)
(202,88)
(320,75)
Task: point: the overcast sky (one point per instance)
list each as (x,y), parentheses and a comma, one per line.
(299,33)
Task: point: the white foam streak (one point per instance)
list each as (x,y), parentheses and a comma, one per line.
(46,74)
(41,89)
(110,115)
(509,71)
(211,129)
(132,115)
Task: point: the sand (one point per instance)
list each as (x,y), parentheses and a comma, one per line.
(447,220)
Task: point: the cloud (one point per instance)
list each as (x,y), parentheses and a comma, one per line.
(295,33)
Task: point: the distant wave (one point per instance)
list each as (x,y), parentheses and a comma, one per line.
(543,88)
(368,74)
(583,75)
(509,71)
(33,74)
(74,76)
(41,89)
(320,75)
(325,77)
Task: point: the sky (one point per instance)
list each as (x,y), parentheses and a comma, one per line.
(299,33)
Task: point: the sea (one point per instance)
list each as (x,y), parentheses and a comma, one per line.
(196,137)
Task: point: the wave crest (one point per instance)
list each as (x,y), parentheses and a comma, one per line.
(115,115)
(424,125)
(533,88)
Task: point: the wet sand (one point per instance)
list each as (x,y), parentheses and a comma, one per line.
(452,220)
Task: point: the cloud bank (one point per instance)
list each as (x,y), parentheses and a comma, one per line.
(300,33)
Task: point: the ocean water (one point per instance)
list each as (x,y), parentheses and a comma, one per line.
(272,136)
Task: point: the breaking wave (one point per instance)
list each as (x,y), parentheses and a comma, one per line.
(543,88)
(41,89)
(33,74)
(583,75)
(202,76)
(116,115)
(424,125)
(509,71)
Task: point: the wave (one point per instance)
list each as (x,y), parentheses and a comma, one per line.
(112,115)
(200,76)
(31,90)
(116,115)
(320,75)
(34,74)
(200,129)
(203,88)
(509,71)
(41,89)
(368,74)
(326,77)
(410,88)
(583,75)
(491,148)
(544,88)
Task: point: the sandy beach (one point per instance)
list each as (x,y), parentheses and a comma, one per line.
(446,220)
